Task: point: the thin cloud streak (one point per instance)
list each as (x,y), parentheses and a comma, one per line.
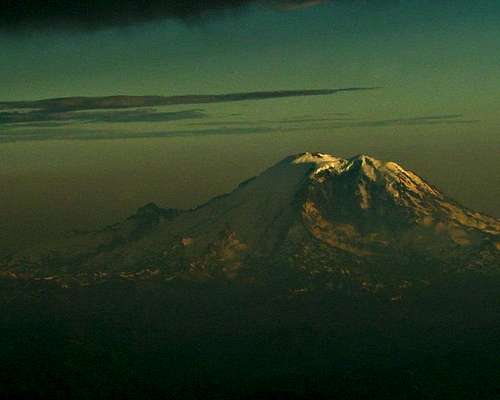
(66,104)
(238,128)
(100,135)
(36,118)
(26,120)
(345,120)
(412,121)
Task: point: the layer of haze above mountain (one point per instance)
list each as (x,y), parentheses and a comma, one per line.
(84,185)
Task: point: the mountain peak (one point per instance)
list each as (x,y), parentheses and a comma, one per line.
(365,165)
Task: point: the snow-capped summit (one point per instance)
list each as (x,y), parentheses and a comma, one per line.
(314,158)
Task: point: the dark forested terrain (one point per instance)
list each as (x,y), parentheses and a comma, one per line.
(129,339)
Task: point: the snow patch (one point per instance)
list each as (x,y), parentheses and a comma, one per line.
(321,162)
(365,196)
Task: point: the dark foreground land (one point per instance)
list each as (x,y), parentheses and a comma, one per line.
(142,340)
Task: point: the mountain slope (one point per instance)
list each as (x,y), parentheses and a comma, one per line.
(313,217)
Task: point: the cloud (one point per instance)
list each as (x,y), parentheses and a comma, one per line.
(60,105)
(46,117)
(342,120)
(223,128)
(87,15)
(445,119)
(92,134)
(24,116)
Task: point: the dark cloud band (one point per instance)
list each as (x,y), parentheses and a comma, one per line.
(35,118)
(89,15)
(19,116)
(66,104)
(18,15)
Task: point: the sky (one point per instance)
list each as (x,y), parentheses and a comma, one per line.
(211,93)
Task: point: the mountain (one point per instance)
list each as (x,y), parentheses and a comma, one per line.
(321,278)
(312,219)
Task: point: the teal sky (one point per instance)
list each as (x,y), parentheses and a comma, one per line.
(418,45)
(429,58)
(437,66)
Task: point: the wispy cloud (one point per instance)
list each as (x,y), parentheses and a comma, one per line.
(90,134)
(221,128)
(85,118)
(129,109)
(50,118)
(344,120)
(65,104)
(409,121)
